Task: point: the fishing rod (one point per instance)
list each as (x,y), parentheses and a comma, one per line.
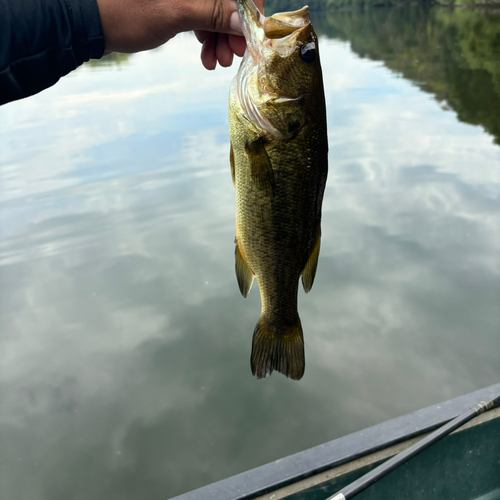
(351,490)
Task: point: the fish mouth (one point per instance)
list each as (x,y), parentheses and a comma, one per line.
(278,32)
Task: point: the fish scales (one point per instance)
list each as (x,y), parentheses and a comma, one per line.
(277,119)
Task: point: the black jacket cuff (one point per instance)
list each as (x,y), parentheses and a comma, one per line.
(42,40)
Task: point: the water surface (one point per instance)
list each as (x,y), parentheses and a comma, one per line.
(124,341)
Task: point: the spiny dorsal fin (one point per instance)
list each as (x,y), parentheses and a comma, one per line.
(309,271)
(260,165)
(243,273)
(231,160)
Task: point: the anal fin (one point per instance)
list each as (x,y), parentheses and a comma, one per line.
(243,273)
(309,271)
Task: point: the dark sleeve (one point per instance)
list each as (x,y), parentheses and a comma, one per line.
(42,40)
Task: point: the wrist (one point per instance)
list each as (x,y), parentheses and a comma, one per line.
(107,16)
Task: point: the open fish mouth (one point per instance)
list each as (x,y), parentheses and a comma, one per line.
(268,39)
(278,32)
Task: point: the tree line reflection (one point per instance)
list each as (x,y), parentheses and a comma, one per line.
(452,53)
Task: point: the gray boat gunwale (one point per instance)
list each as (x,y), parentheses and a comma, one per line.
(288,470)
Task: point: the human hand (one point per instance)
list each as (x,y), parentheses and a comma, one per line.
(221,46)
(136,25)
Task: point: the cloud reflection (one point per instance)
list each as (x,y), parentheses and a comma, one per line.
(125,343)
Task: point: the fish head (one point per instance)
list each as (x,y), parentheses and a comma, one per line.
(280,75)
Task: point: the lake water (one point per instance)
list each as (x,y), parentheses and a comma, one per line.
(124,341)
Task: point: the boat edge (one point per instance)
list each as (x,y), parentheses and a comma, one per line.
(299,466)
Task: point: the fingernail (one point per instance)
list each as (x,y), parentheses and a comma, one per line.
(235,23)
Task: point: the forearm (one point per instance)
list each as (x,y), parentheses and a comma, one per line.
(43,40)
(136,25)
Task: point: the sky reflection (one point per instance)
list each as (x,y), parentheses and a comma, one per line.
(124,360)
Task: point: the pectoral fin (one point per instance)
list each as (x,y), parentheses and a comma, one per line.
(260,165)
(243,273)
(231,160)
(309,271)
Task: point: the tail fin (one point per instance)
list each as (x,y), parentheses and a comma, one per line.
(278,349)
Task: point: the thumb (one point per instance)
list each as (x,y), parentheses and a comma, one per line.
(219,16)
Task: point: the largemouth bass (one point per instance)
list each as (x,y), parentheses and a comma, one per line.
(277,123)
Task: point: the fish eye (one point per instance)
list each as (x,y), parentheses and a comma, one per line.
(308,52)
